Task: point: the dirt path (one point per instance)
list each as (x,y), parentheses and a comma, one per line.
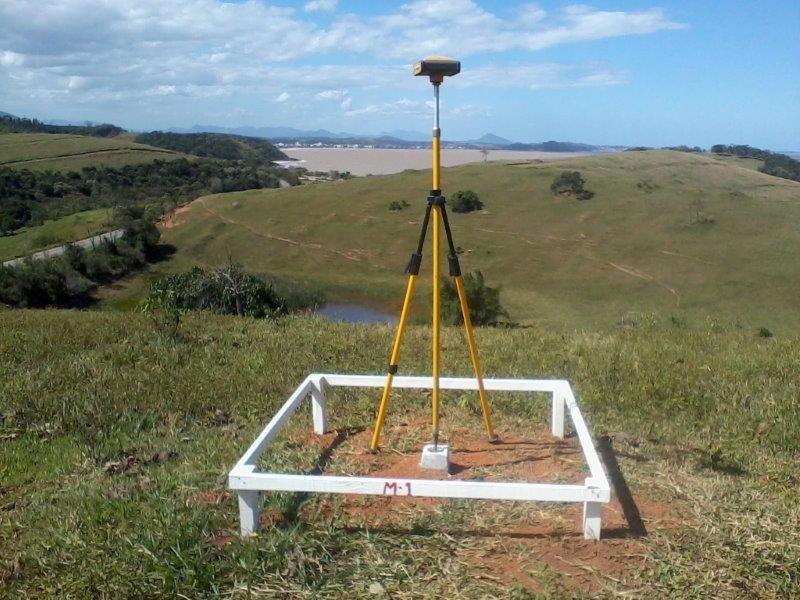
(59,250)
(351,255)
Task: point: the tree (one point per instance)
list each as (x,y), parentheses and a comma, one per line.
(464,201)
(570,183)
(485,153)
(483,300)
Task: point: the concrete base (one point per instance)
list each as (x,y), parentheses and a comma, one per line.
(435,458)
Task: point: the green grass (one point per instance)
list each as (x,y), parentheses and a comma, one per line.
(632,249)
(704,421)
(67,229)
(63,152)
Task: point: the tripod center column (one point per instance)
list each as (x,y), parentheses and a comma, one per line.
(436,252)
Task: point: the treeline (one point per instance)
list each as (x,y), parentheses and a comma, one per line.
(29,198)
(775,164)
(9,124)
(681,148)
(215,145)
(69,279)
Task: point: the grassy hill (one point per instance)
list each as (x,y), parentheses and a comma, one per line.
(670,233)
(56,232)
(62,152)
(215,145)
(116,441)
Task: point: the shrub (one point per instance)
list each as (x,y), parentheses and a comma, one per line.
(395,205)
(464,201)
(227,290)
(483,300)
(570,183)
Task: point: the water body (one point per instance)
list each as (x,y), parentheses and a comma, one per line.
(380,161)
(354,313)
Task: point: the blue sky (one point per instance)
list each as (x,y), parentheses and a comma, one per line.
(611,72)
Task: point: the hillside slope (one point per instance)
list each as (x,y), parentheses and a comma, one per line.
(215,145)
(66,152)
(116,440)
(667,232)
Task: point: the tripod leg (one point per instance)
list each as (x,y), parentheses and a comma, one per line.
(398,340)
(473,354)
(413,270)
(455,272)
(436,327)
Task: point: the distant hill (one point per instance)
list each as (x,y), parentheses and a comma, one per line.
(215,145)
(553,146)
(493,140)
(5,114)
(12,124)
(679,234)
(407,135)
(69,152)
(265,132)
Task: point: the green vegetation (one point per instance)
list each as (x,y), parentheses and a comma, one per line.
(10,124)
(483,300)
(215,145)
(116,443)
(62,152)
(464,201)
(60,231)
(69,279)
(395,205)
(577,264)
(226,291)
(779,165)
(29,198)
(570,183)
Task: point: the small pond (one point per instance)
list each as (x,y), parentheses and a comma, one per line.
(354,313)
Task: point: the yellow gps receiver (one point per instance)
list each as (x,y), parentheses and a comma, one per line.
(437,68)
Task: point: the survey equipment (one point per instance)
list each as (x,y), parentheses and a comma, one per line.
(436,68)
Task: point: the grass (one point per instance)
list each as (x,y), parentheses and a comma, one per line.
(63,152)
(60,231)
(117,439)
(671,233)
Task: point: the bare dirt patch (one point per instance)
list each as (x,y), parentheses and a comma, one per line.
(174,218)
(537,545)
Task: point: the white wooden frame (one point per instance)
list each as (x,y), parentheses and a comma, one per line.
(249,482)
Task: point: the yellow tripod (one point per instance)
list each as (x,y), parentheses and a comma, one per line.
(436,68)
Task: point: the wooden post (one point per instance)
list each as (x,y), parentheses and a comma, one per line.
(592,515)
(557,421)
(318,411)
(248,512)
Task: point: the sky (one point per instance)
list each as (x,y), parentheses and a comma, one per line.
(611,72)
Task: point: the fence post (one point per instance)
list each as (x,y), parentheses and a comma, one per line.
(318,411)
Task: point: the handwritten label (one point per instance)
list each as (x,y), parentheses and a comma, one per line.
(390,488)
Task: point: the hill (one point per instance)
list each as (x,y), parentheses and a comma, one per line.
(11,124)
(670,233)
(215,145)
(67,152)
(492,140)
(117,438)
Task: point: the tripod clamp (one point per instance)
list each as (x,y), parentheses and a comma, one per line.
(435,199)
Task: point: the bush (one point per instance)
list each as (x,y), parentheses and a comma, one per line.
(395,205)
(570,183)
(484,301)
(68,279)
(465,201)
(228,290)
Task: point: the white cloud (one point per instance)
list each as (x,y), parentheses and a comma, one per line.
(320,6)
(331,95)
(283,97)
(101,51)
